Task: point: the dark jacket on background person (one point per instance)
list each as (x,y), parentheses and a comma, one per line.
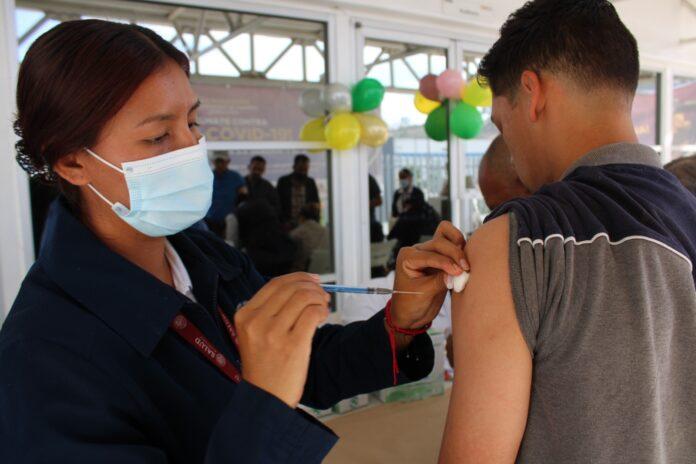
(263,239)
(91,373)
(417,221)
(261,189)
(415,194)
(376,233)
(285,194)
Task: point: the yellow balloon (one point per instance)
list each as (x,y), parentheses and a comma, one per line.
(373,131)
(342,132)
(313,131)
(475,95)
(423,104)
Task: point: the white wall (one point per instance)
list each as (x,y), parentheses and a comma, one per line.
(15,230)
(659,25)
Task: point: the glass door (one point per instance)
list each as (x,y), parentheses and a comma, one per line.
(408,177)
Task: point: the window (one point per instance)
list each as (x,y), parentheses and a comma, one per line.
(399,67)
(684,117)
(275,243)
(249,71)
(646,108)
(474,208)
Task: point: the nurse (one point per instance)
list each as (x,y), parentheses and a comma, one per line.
(136,339)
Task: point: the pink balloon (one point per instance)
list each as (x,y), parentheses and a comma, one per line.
(428,87)
(449,83)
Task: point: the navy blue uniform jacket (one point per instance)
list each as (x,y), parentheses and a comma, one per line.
(90,372)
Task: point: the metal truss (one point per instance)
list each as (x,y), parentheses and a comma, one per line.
(198,25)
(393,52)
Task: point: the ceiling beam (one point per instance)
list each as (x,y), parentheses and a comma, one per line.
(175,13)
(218,45)
(278,58)
(32,29)
(248,27)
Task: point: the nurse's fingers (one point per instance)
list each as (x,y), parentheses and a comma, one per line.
(278,300)
(446,248)
(307,323)
(447,230)
(418,263)
(278,283)
(293,307)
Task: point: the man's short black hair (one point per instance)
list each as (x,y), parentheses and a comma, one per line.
(405,172)
(301,158)
(583,39)
(258,158)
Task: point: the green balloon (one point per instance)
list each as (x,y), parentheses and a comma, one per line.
(465,121)
(367,95)
(436,124)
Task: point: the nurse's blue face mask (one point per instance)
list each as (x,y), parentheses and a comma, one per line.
(168,193)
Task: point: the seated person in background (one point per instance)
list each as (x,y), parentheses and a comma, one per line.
(574,337)
(259,188)
(309,235)
(296,190)
(227,185)
(499,183)
(684,169)
(376,233)
(264,240)
(418,220)
(406,191)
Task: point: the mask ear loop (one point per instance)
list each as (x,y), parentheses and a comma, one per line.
(100,195)
(108,164)
(104,161)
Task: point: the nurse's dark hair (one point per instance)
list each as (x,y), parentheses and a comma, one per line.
(72,81)
(584,40)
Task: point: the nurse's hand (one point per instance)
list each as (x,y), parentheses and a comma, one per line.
(275,331)
(424,268)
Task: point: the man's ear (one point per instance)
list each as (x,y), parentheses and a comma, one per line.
(71,167)
(531,87)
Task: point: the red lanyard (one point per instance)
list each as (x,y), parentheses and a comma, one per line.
(192,334)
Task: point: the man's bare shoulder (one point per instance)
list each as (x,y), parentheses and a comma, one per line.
(490,242)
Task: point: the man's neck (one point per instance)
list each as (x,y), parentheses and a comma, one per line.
(581,140)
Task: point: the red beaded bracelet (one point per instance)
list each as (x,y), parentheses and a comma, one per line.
(392,338)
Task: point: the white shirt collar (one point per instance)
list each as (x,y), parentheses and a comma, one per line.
(180,276)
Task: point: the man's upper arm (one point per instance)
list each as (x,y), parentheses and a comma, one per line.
(490,398)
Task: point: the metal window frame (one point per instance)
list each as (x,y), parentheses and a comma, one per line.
(365,30)
(198,30)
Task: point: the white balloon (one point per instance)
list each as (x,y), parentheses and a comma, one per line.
(337,98)
(311,103)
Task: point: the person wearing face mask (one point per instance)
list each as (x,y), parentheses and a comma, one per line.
(405,193)
(297,190)
(137,339)
(258,188)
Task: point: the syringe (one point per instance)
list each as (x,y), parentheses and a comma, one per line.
(365,290)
